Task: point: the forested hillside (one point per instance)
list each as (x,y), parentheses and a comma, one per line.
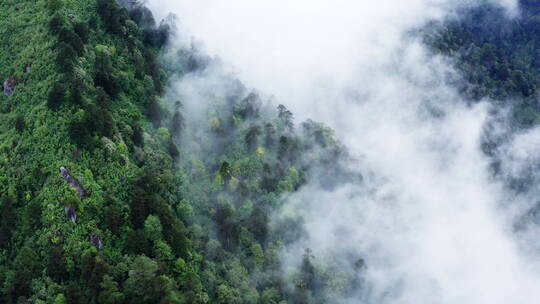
(113,190)
(109,195)
(497,54)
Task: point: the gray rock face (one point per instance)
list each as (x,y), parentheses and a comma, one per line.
(70,213)
(96,240)
(8,89)
(64,173)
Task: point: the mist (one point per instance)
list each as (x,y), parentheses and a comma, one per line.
(430,220)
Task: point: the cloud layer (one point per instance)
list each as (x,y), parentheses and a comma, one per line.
(429,218)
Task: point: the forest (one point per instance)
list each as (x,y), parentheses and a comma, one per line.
(111,191)
(105,199)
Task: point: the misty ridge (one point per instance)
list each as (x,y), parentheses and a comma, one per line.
(270,152)
(439,179)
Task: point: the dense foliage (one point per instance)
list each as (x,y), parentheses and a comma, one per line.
(498,56)
(109,195)
(112,191)
(497,53)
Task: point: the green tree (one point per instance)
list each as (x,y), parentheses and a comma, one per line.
(74,294)
(177,124)
(60,299)
(28,260)
(9,221)
(65,57)
(155,113)
(137,242)
(163,253)
(152,228)
(99,270)
(225,171)
(227,226)
(55,5)
(177,237)
(56,96)
(56,23)
(56,264)
(20,124)
(113,219)
(110,293)
(141,281)
(81,29)
(269,296)
(251,137)
(104,73)
(194,290)
(79,129)
(228,295)
(69,37)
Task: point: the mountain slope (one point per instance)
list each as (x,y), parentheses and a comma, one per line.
(110,195)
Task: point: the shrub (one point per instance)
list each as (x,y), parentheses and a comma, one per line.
(65,57)
(81,30)
(56,24)
(56,96)
(55,5)
(20,124)
(72,39)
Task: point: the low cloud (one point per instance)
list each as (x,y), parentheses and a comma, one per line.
(429,218)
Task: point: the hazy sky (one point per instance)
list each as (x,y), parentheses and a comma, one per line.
(428,217)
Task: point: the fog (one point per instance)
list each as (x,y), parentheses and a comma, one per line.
(431,221)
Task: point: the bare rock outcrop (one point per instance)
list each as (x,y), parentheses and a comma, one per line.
(74,183)
(70,213)
(9,85)
(96,240)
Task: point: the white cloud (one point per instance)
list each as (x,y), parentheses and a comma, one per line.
(427,218)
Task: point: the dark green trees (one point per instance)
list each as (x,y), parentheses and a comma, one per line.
(56,96)
(20,124)
(81,29)
(184,214)
(252,136)
(54,5)
(8,218)
(227,226)
(113,16)
(104,73)
(27,265)
(56,264)
(495,51)
(145,285)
